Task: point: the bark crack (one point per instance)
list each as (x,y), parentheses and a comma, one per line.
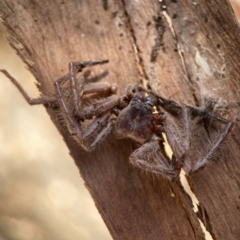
(186,210)
(160,28)
(180,51)
(201,215)
(204,220)
(139,61)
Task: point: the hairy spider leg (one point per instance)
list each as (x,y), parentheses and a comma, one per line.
(180,142)
(74,68)
(205,114)
(99,107)
(173,107)
(31,101)
(72,123)
(153,151)
(186,128)
(95,132)
(96,108)
(201,163)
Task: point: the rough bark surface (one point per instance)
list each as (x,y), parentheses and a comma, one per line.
(133,204)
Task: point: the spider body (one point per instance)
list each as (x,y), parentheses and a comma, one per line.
(190,131)
(136,120)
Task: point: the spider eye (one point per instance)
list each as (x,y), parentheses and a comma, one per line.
(138,97)
(150,101)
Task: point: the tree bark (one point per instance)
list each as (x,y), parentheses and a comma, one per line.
(143,40)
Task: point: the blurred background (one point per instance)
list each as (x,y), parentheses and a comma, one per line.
(42,195)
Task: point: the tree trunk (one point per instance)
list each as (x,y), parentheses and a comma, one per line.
(143,40)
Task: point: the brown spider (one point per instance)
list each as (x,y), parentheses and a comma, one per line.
(192,133)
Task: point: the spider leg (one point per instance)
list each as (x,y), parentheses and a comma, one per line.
(204,160)
(151,157)
(77,91)
(175,135)
(181,133)
(100,88)
(75,67)
(98,107)
(185,112)
(72,123)
(206,114)
(96,132)
(34,101)
(186,128)
(100,110)
(94,109)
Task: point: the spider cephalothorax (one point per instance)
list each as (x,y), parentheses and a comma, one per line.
(136,120)
(193,134)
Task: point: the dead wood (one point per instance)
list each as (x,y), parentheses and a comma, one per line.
(133,204)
